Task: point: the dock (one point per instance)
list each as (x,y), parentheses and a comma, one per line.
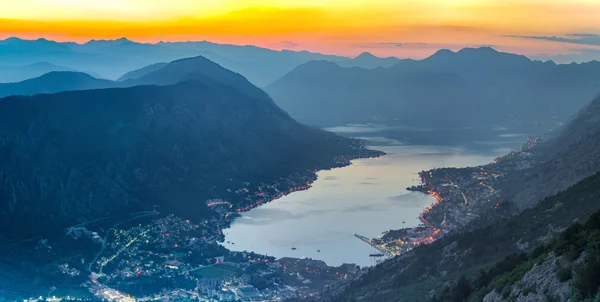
(370,242)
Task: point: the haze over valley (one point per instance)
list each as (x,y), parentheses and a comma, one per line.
(300,151)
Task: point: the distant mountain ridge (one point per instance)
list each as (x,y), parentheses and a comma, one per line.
(11,74)
(471,87)
(195,68)
(367,60)
(113,58)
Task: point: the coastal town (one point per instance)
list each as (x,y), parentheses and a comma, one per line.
(152,256)
(460,195)
(172,258)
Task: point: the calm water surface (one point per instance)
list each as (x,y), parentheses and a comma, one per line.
(368,198)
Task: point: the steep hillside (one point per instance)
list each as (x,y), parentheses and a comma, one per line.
(569,156)
(567,268)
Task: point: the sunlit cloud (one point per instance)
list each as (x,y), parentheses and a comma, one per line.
(576,38)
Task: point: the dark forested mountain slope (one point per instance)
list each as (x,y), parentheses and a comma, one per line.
(567,268)
(81,155)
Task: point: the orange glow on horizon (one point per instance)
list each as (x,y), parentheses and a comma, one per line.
(408,28)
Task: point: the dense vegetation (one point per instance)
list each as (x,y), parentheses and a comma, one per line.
(579,240)
(84,155)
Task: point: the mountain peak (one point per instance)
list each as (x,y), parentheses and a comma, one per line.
(443,51)
(200,69)
(366,55)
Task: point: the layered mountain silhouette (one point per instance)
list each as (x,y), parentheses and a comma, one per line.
(465,88)
(113,58)
(196,68)
(11,74)
(185,133)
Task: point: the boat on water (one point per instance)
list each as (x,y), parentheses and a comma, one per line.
(318,251)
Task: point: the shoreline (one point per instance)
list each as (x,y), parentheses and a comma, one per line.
(400,241)
(338,162)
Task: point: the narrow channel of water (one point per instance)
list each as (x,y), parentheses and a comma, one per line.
(368,198)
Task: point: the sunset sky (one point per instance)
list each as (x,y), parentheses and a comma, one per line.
(564,29)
